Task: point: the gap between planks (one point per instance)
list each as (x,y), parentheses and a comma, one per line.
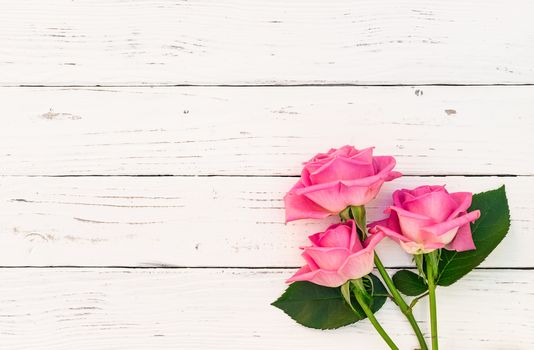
(246,175)
(177,85)
(170,267)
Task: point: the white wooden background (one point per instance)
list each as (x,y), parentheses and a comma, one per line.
(145,147)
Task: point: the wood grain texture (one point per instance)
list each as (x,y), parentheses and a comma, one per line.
(207,221)
(229,309)
(264,42)
(80,184)
(263,131)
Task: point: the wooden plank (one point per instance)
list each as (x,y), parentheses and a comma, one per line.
(263,131)
(229,309)
(265,42)
(207,221)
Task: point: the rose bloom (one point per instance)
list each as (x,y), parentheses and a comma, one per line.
(332,181)
(337,255)
(429,218)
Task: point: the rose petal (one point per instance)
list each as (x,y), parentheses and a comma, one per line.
(358,265)
(371,241)
(359,195)
(463,202)
(437,205)
(328,258)
(397,236)
(355,244)
(393,175)
(444,227)
(335,236)
(383,222)
(315,239)
(365,155)
(446,237)
(425,189)
(320,277)
(399,196)
(411,224)
(463,240)
(341,169)
(303,271)
(383,164)
(415,248)
(305,175)
(309,260)
(326,196)
(300,207)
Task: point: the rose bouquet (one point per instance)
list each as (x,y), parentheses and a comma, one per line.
(447,234)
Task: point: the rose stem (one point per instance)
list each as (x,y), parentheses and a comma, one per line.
(371,316)
(432,298)
(406,310)
(400,302)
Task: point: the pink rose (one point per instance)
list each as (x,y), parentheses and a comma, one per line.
(332,181)
(429,218)
(337,255)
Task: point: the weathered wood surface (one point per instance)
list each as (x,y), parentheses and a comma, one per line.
(266,42)
(90,309)
(263,131)
(80,170)
(199,221)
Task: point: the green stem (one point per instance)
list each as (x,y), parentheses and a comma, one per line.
(359,215)
(370,315)
(406,310)
(430,275)
(416,300)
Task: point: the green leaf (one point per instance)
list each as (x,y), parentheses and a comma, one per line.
(488,231)
(321,307)
(409,283)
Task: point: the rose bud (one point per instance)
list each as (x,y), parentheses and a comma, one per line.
(429,218)
(332,181)
(337,255)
